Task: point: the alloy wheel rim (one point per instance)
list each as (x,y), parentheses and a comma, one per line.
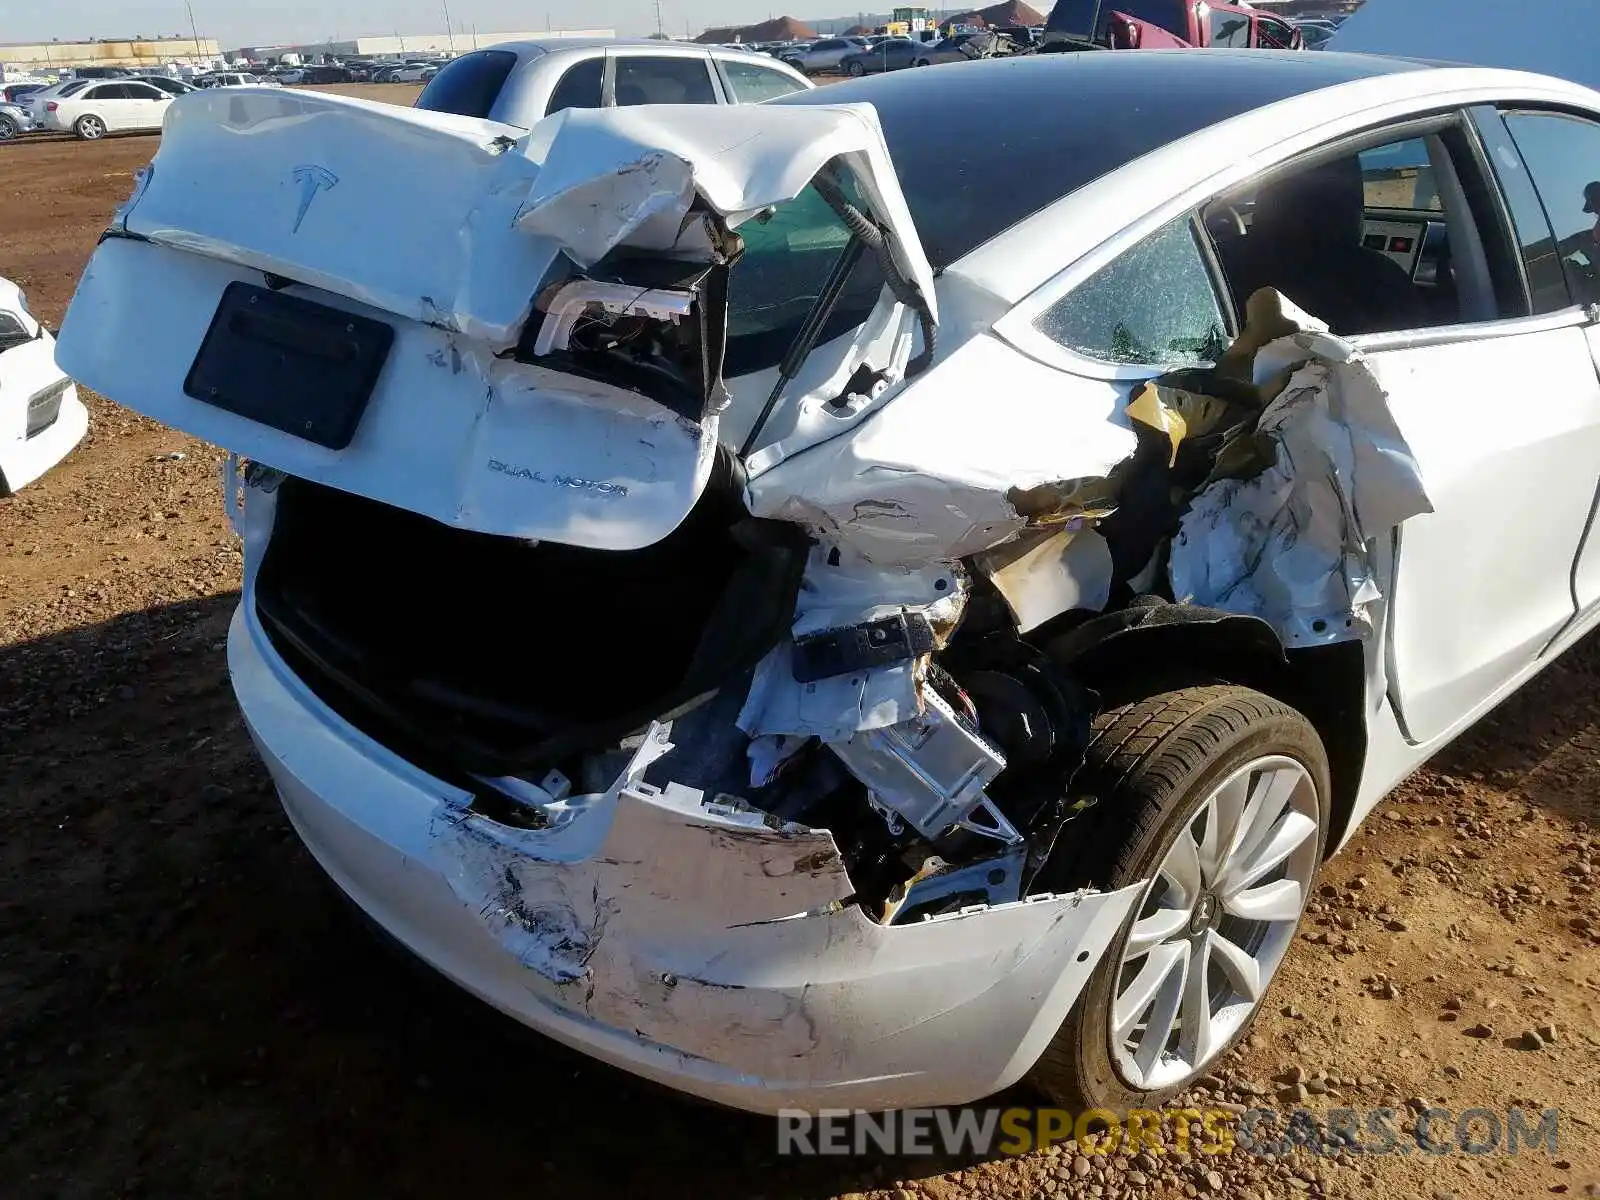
(1214,923)
(91,127)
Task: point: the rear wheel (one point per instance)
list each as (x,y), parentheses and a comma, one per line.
(1218,797)
(922,62)
(90,128)
(856,69)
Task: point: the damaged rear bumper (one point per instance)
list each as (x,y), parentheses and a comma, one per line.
(696,946)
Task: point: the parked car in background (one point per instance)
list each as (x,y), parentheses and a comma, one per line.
(1314,37)
(15,121)
(412,72)
(1165,24)
(227,79)
(111,106)
(890,54)
(173,87)
(289,75)
(35,102)
(329,74)
(520,83)
(12,93)
(824,56)
(41,417)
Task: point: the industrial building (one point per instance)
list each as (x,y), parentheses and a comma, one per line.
(131,53)
(399,44)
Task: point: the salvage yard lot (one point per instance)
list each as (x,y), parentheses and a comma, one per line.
(188,1008)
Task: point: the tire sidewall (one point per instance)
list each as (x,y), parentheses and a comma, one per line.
(8,129)
(1089,1024)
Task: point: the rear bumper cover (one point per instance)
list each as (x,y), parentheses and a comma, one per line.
(689,944)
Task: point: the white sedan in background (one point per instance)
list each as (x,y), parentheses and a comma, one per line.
(116,106)
(41,417)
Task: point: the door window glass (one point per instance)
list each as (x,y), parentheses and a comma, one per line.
(1274,35)
(752,84)
(1229,28)
(642,79)
(1563,159)
(1154,305)
(580,87)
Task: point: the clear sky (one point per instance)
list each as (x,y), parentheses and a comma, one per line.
(249,22)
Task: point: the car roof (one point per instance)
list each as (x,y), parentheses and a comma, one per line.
(552,45)
(538,46)
(1143,84)
(1002,120)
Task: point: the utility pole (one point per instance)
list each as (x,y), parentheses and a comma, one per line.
(194,29)
(660,33)
(448,28)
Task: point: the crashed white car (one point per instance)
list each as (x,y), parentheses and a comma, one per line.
(860,599)
(41,417)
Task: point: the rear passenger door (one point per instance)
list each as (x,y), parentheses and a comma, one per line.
(1497,396)
(146,105)
(1561,155)
(109,101)
(642,77)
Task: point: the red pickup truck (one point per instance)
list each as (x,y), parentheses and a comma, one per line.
(1158,24)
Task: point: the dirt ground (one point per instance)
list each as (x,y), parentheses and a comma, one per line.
(188,1009)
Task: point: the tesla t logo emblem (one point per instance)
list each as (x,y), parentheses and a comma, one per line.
(312,180)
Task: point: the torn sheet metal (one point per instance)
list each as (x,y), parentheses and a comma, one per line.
(933,475)
(1290,544)
(841,591)
(1176,412)
(1042,575)
(628,175)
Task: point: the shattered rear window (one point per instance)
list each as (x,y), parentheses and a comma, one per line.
(1153,305)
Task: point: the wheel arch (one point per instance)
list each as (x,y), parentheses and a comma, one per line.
(1146,647)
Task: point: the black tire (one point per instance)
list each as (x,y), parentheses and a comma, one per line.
(8,128)
(922,62)
(855,70)
(89,128)
(1150,766)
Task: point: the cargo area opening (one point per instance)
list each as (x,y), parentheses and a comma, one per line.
(493,653)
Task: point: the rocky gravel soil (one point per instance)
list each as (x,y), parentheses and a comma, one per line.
(188,1008)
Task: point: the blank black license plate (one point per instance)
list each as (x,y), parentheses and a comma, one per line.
(289,363)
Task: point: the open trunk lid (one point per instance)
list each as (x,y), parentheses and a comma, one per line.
(388,301)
